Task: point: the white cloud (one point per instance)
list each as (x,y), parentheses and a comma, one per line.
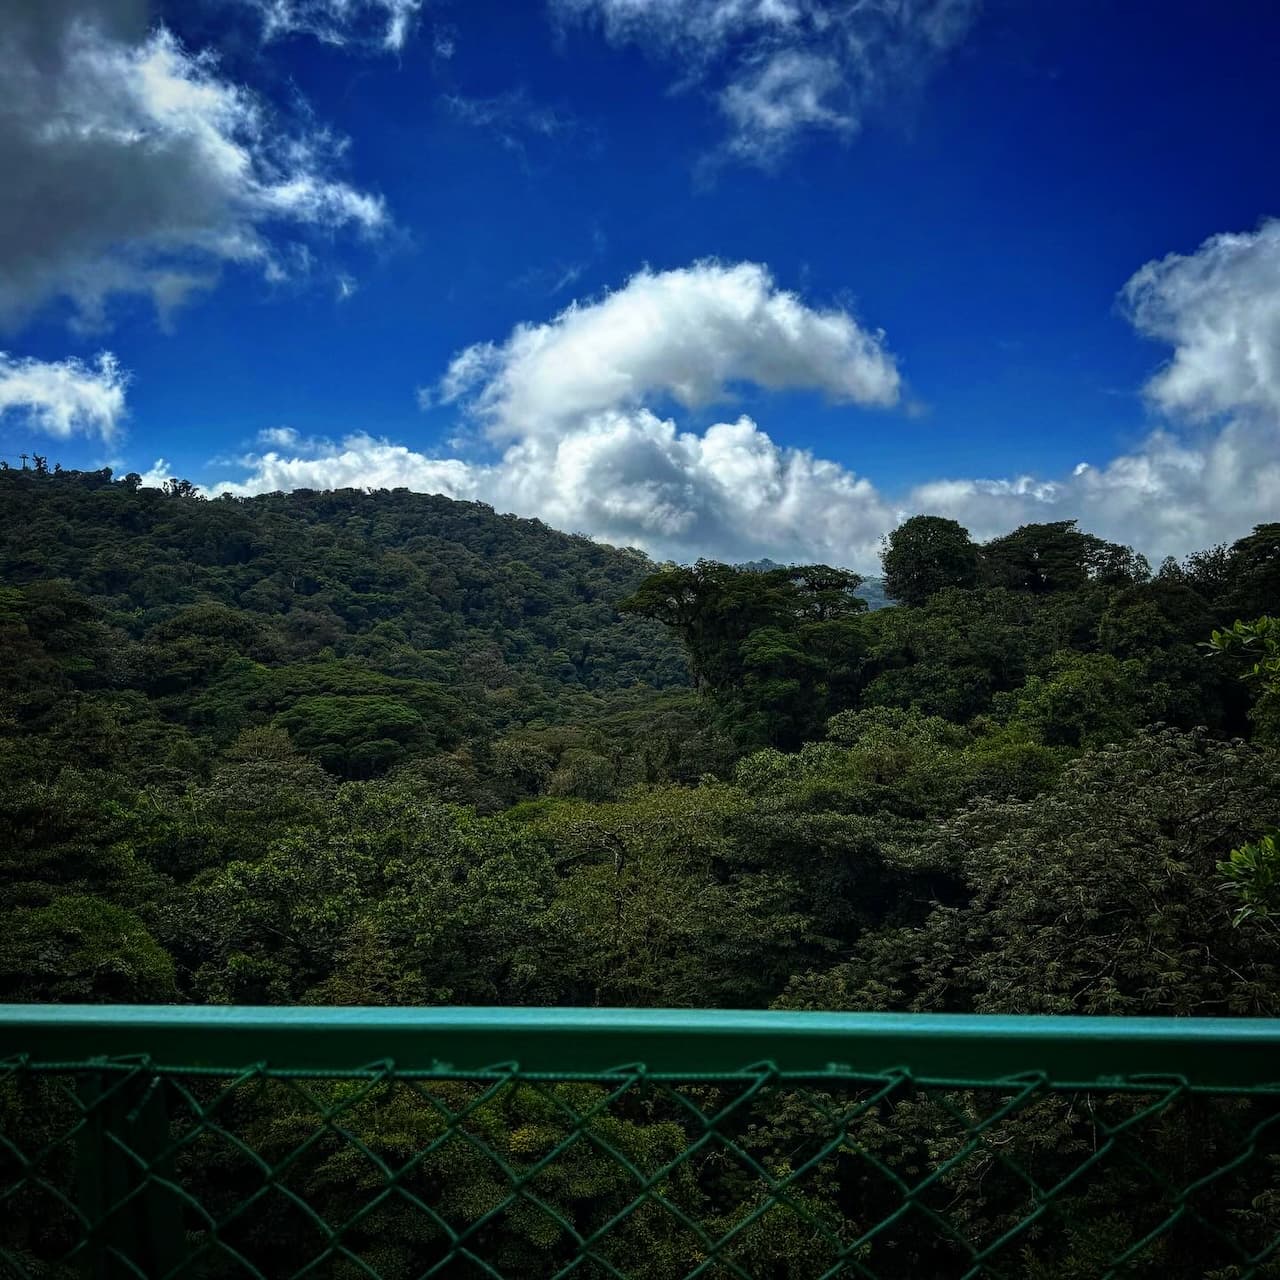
(63,398)
(133,166)
(508,113)
(688,334)
(781,68)
(157,475)
(690,27)
(1177,492)
(387,23)
(358,462)
(584,447)
(1195,482)
(279,437)
(731,492)
(771,103)
(571,401)
(1220,310)
(631,478)
(513,118)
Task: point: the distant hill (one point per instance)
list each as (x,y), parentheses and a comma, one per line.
(373,627)
(229,610)
(871,590)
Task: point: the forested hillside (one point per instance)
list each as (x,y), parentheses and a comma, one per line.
(384,748)
(368,747)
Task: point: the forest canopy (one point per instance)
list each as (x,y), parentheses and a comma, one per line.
(387,747)
(384,748)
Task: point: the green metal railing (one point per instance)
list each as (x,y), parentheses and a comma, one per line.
(523,1143)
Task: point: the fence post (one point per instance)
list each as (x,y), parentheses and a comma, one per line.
(122,1151)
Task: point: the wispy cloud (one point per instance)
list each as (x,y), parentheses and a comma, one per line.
(782,69)
(513,118)
(382,23)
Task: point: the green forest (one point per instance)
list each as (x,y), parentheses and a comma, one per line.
(385,748)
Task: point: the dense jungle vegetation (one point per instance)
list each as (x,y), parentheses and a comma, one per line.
(388,748)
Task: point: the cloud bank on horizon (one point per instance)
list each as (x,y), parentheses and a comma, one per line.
(572,399)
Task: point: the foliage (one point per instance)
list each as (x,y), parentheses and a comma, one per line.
(386,748)
(1252,872)
(926,554)
(1259,643)
(1058,557)
(1098,896)
(776,648)
(81,949)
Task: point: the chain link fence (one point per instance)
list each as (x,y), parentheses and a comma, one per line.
(120,1167)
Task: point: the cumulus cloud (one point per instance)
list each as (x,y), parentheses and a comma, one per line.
(780,68)
(732,492)
(63,398)
(689,334)
(132,165)
(357,462)
(573,406)
(340,22)
(1220,310)
(157,475)
(629,478)
(1214,471)
(1177,492)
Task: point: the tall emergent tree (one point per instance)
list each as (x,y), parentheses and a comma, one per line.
(925,555)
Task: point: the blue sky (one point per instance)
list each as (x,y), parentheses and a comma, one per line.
(950,196)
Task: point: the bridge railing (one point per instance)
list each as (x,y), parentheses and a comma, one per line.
(520,1143)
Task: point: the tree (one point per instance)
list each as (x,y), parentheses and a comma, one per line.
(713,608)
(778,650)
(827,594)
(1085,700)
(1099,896)
(926,554)
(1253,573)
(79,948)
(951,655)
(356,736)
(1251,873)
(1257,642)
(1057,556)
(658,906)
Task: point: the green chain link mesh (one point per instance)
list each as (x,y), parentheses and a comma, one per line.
(117,1168)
